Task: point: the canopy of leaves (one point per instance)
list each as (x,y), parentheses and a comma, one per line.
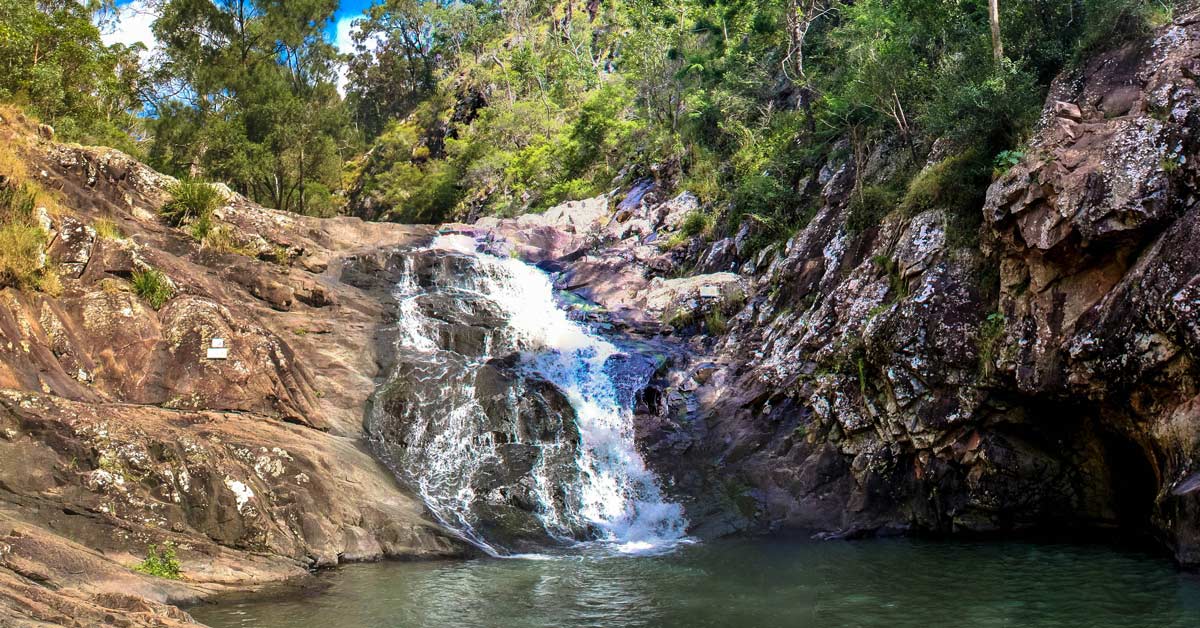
(53,63)
(479,107)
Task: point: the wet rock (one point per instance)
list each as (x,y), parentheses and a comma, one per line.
(894,381)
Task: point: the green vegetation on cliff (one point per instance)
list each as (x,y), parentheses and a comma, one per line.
(53,62)
(160,562)
(505,110)
(23,238)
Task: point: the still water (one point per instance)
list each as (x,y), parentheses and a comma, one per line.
(799,584)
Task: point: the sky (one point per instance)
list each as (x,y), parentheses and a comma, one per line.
(132,25)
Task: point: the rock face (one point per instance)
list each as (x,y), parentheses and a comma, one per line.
(117,432)
(895,381)
(1030,366)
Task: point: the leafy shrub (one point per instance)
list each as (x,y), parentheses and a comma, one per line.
(153,286)
(160,562)
(956,183)
(761,195)
(321,202)
(1110,23)
(869,205)
(695,223)
(192,202)
(1006,160)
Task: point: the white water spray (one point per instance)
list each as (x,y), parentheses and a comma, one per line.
(614,495)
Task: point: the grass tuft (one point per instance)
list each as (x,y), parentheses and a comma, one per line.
(153,286)
(107,230)
(192,203)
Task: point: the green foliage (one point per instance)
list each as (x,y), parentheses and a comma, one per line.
(23,241)
(1006,160)
(502,108)
(160,562)
(696,222)
(244,93)
(417,190)
(869,205)
(1112,22)
(679,318)
(956,184)
(21,248)
(153,286)
(192,203)
(991,334)
(715,322)
(514,112)
(53,62)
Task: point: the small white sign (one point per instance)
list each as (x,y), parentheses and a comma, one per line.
(218,353)
(710,292)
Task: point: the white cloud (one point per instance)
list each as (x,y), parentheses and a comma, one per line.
(344,39)
(131,25)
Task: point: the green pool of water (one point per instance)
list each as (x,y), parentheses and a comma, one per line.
(798,584)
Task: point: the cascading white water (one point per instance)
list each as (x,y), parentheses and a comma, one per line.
(613,496)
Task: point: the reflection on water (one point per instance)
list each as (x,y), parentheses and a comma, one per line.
(886,583)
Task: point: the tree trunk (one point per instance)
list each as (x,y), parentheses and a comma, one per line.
(994,18)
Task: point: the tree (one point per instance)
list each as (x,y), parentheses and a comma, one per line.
(246,94)
(994,19)
(402,45)
(53,61)
(801,17)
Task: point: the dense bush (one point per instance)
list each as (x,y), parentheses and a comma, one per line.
(484,108)
(709,94)
(869,205)
(956,184)
(53,62)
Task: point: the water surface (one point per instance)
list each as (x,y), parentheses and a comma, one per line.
(799,584)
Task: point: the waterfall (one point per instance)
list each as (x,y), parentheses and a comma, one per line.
(511,462)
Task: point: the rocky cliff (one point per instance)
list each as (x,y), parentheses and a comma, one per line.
(1029,367)
(118,433)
